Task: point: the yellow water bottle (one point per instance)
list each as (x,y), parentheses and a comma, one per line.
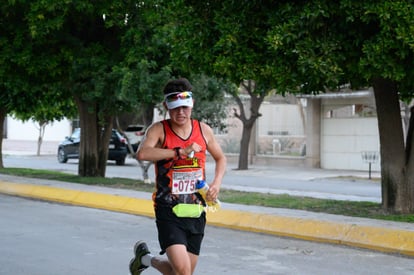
(202,188)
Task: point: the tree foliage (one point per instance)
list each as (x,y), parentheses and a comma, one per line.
(146,67)
(328,44)
(364,44)
(104,58)
(209,94)
(58,51)
(225,39)
(29,77)
(312,47)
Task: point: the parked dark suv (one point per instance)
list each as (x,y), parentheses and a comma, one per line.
(69,148)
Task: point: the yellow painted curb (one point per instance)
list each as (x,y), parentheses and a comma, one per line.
(375,238)
(82,198)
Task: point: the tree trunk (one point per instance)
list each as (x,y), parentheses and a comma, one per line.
(88,148)
(95,136)
(244,146)
(409,196)
(3,114)
(103,144)
(396,167)
(42,129)
(256,100)
(148,114)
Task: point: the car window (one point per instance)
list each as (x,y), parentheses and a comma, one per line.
(117,136)
(135,128)
(75,134)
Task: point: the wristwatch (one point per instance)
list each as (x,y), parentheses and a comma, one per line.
(177,152)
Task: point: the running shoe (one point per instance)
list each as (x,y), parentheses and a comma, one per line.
(135,265)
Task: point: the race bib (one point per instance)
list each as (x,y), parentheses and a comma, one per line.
(185,182)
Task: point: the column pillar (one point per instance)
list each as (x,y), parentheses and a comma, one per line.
(313,132)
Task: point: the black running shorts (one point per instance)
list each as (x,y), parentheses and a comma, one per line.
(173,230)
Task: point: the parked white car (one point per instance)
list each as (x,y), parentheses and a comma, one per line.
(134,134)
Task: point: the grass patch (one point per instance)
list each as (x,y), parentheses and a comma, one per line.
(347,208)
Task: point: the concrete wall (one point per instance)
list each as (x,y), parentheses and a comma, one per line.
(349,126)
(280,118)
(344,139)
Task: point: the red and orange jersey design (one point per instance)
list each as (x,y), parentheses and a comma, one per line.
(176,178)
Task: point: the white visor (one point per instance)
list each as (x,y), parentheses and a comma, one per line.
(175,100)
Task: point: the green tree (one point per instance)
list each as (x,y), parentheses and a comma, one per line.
(107,57)
(210,102)
(84,37)
(312,47)
(364,44)
(28,78)
(227,39)
(147,66)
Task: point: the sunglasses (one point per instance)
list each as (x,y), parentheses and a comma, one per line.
(176,96)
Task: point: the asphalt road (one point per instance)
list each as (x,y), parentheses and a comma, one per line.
(41,238)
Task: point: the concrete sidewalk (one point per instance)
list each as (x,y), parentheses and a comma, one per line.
(391,237)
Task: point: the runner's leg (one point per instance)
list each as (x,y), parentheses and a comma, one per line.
(180,259)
